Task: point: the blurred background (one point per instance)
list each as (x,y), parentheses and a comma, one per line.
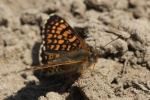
(122,71)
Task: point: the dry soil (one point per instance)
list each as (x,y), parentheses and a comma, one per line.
(119,29)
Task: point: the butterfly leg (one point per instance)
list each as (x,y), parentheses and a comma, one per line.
(71,76)
(77,76)
(78,81)
(92,71)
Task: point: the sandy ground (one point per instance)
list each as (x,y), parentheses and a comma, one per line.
(122,71)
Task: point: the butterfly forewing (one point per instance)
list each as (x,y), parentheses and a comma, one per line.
(58,39)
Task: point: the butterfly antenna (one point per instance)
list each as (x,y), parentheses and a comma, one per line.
(19,71)
(119,33)
(112,41)
(29,69)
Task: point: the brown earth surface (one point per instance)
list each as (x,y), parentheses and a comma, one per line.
(119,29)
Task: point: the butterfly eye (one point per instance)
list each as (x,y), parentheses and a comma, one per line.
(91,58)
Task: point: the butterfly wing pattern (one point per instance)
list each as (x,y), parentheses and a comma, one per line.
(62,49)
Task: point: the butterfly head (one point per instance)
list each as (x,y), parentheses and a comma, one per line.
(93,57)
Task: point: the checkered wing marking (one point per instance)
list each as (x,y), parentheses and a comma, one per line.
(59,38)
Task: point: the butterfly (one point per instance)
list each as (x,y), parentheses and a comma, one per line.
(62,50)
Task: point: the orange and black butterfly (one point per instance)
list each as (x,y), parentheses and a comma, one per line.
(63,50)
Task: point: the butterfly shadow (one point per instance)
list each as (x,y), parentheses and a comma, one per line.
(33,90)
